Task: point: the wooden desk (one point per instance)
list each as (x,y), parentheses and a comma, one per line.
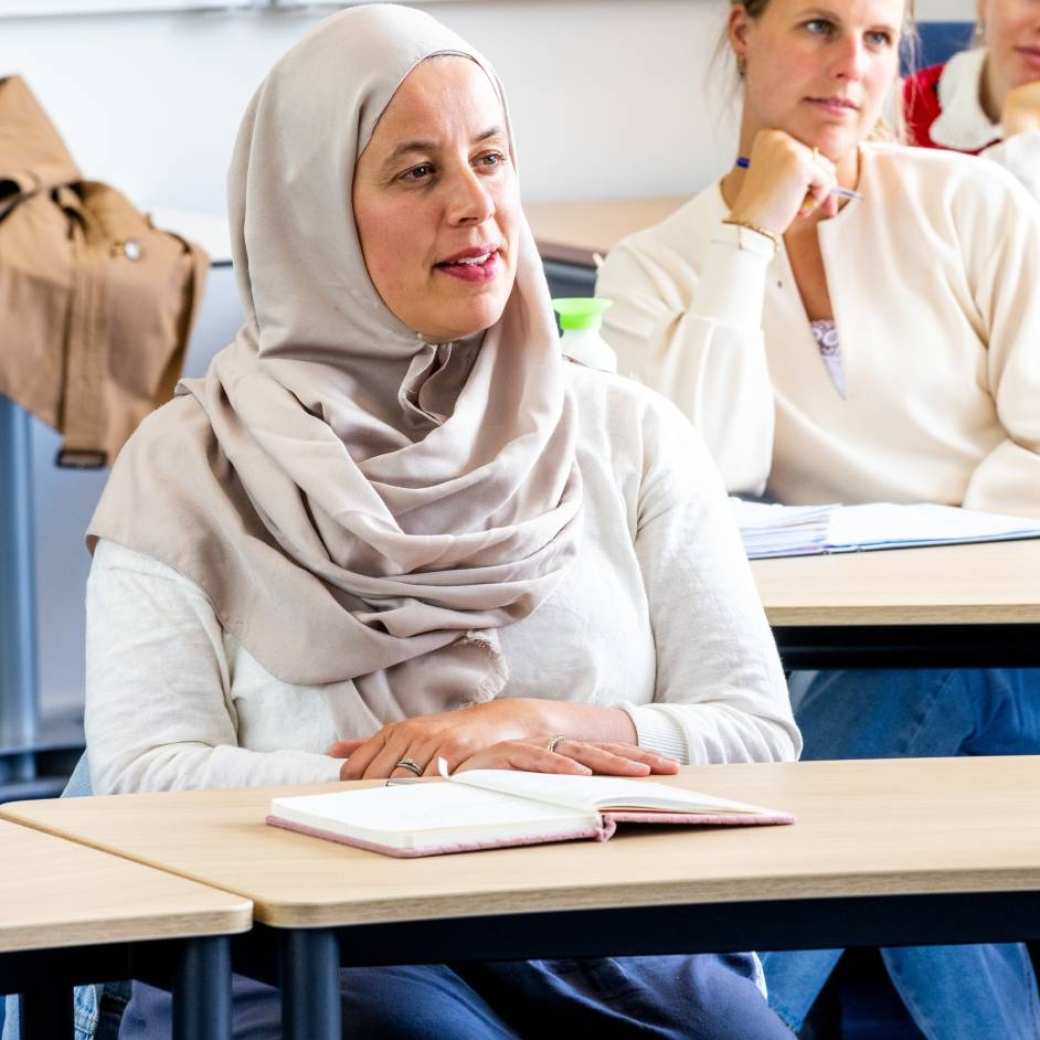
(70,915)
(908,851)
(571,232)
(960,605)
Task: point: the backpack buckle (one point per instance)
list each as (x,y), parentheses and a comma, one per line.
(80,458)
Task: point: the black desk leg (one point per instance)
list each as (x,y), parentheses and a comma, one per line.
(202,990)
(308,970)
(46,1014)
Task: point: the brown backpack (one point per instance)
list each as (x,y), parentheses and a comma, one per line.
(96,305)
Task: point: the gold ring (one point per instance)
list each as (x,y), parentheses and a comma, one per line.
(411,765)
(816,154)
(553,741)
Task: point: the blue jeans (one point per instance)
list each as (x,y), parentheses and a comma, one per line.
(657,998)
(952,992)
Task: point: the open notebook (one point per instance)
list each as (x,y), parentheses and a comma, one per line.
(491,808)
(774,530)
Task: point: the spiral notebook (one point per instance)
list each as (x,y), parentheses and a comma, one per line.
(493,808)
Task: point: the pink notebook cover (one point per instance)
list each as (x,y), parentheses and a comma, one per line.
(608,824)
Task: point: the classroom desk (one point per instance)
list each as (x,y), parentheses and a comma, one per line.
(572,232)
(569,235)
(908,851)
(71,915)
(944,606)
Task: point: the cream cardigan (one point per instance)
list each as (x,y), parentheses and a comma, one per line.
(658,615)
(933,280)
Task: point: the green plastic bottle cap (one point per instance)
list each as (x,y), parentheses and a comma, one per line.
(581,312)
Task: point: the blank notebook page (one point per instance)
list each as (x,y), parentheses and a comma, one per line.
(413,808)
(593,793)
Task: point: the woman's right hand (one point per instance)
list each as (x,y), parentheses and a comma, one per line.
(576,757)
(785,180)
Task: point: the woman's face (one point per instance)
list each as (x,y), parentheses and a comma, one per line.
(818,70)
(436,202)
(1012,34)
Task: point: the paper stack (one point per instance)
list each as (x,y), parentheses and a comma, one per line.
(774,530)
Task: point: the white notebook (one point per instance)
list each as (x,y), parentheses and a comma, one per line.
(492,808)
(774,530)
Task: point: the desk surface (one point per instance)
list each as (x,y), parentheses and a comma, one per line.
(992,583)
(572,232)
(907,827)
(56,893)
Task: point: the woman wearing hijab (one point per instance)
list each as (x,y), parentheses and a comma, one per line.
(881,348)
(985,100)
(392,522)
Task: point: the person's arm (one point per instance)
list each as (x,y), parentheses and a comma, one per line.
(689,299)
(720,691)
(159,713)
(707,354)
(1004,281)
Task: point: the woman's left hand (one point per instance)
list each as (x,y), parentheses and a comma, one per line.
(452,735)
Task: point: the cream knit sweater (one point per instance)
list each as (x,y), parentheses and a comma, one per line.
(658,615)
(933,281)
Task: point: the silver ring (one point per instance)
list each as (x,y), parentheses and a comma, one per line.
(553,741)
(411,765)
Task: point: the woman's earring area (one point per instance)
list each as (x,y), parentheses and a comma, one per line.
(741,66)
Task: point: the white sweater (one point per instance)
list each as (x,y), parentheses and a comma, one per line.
(659,615)
(933,283)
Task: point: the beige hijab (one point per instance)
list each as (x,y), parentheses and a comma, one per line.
(357,504)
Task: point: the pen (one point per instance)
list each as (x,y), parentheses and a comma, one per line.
(846,193)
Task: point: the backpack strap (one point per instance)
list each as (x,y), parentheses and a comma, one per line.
(83,419)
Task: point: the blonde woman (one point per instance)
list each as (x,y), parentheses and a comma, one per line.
(850,321)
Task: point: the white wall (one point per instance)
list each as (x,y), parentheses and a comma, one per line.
(609,96)
(945,10)
(606,94)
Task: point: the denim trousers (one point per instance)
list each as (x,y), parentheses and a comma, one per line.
(704,997)
(970,992)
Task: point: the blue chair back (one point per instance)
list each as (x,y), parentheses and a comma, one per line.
(940,41)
